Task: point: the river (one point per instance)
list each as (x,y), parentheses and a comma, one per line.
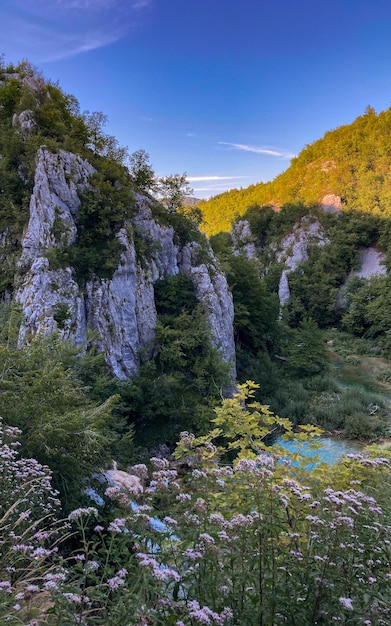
(330,451)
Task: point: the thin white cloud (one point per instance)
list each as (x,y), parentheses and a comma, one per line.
(44,32)
(194,179)
(82,5)
(206,191)
(259,149)
(101,5)
(42,44)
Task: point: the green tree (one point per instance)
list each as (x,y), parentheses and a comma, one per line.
(43,394)
(141,172)
(178,388)
(256,310)
(173,190)
(100,142)
(306,352)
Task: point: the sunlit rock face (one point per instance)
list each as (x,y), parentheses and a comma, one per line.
(121,309)
(331,203)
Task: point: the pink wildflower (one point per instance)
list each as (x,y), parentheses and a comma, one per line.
(347,603)
(115,582)
(77,513)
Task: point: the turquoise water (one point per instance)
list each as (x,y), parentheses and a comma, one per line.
(331,450)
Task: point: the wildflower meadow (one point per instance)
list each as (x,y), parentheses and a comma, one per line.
(229,531)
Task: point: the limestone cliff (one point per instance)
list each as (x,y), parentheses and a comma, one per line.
(293,250)
(289,252)
(121,309)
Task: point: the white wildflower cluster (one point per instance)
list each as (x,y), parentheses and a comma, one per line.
(23,481)
(28,506)
(82,512)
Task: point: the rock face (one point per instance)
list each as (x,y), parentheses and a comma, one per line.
(24,122)
(293,250)
(242,240)
(54,202)
(290,252)
(371,264)
(331,203)
(122,310)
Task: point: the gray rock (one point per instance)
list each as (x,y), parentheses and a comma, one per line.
(293,250)
(242,239)
(121,309)
(24,123)
(212,291)
(54,202)
(123,312)
(44,295)
(371,264)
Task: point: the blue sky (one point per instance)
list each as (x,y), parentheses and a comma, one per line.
(224,90)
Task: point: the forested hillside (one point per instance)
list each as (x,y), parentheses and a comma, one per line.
(352,161)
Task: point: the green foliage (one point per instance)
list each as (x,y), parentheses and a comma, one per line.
(174,295)
(103,211)
(42,392)
(256,310)
(260,219)
(178,388)
(141,172)
(185,226)
(336,398)
(98,141)
(306,352)
(315,284)
(173,190)
(244,426)
(368,311)
(248,425)
(221,244)
(61,314)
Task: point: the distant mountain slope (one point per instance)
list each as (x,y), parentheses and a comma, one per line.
(353,161)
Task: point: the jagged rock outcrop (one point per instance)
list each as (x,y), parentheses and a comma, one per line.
(242,239)
(211,290)
(121,309)
(293,250)
(24,122)
(54,202)
(290,252)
